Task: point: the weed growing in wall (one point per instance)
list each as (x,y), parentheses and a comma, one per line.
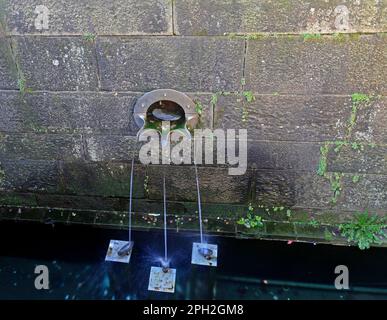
(364,230)
(251,220)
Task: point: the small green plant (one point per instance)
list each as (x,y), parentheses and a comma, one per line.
(314,223)
(251,221)
(328,236)
(355,178)
(360,98)
(336,186)
(364,230)
(214,99)
(249,96)
(89,36)
(198,107)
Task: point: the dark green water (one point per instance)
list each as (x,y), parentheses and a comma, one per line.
(247,269)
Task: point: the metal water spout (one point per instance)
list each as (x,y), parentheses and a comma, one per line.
(166,111)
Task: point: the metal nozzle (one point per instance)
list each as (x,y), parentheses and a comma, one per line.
(206,253)
(125,249)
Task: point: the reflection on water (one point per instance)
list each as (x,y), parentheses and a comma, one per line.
(246,269)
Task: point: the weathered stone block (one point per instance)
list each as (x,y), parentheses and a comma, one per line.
(30,176)
(369,193)
(101,179)
(215,184)
(359,158)
(93,16)
(293,65)
(111,148)
(313,191)
(185,64)
(58,64)
(51,112)
(276,188)
(42,146)
(283,229)
(248,16)
(286,117)
(371,121)
(8,70)
(283,155)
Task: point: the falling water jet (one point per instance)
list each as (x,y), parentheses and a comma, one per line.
(203,253)
(163,278)
(121,251)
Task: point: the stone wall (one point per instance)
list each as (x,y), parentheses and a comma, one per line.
(306,78)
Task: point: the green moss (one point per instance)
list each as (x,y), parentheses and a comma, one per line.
(340,37)
(338,145)
(357,100)
(90,37)
(2,174)
(328,236)
(344,37)
(201,33)
(256,36)
(282,229)
(311,36)
(17,200)
(355,178)
(323,163)
(38,129)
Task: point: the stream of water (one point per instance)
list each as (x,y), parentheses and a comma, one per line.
(199,203)
(165,223)
(130,201)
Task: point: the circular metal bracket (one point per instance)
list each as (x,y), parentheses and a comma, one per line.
(148,99)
